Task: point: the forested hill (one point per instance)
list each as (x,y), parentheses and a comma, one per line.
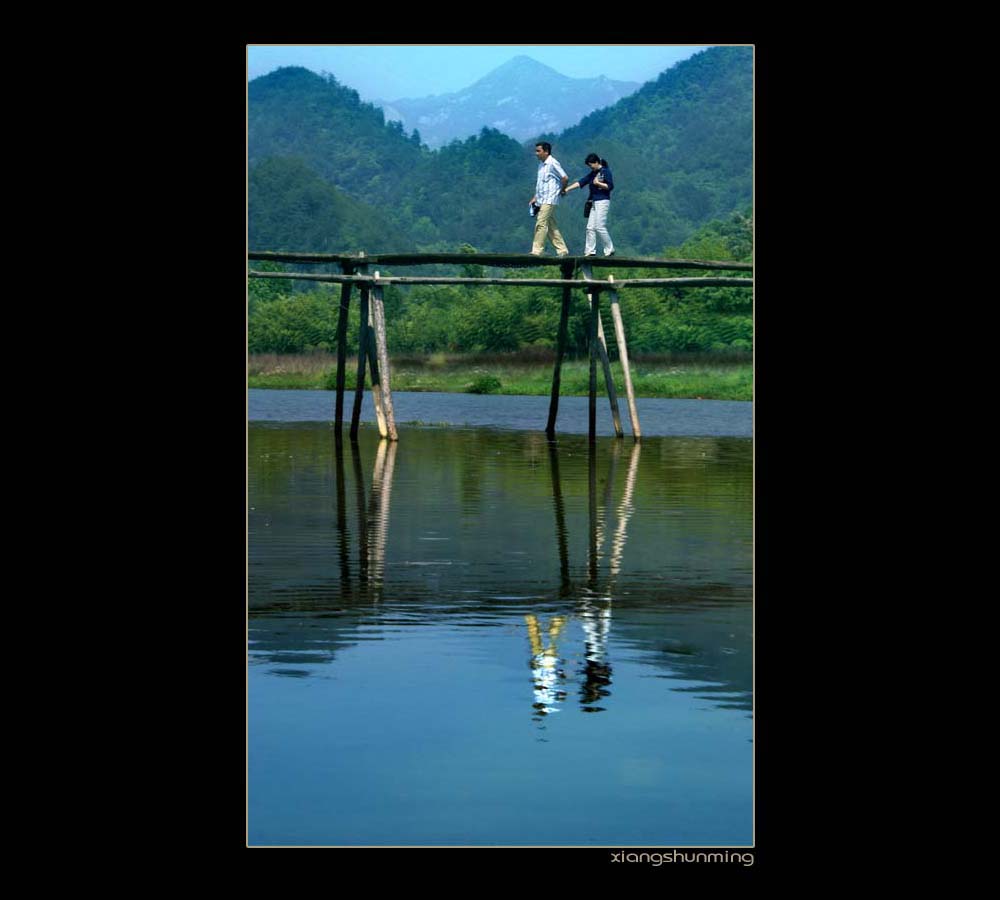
(295,113)
(680,149)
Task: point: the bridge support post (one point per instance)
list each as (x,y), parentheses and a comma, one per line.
(567,273)
(602,350)
(595,311)
(616,315)
(345,306)
(381,390)
(363,340)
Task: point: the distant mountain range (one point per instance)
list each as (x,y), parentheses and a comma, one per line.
(522,98)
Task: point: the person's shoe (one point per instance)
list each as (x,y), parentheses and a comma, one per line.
(537,254)
(563,254)
(612,253)
(590,254)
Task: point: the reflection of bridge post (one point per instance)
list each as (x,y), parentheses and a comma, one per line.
(381,495)
(373,512)
(557,501)
(596,616)
(359,487)
(602,513)
(592,509)
(342,539)
(625,510)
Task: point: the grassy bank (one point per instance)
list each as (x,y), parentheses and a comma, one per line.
(706,377)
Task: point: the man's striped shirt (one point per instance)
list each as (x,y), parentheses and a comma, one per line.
(549,181)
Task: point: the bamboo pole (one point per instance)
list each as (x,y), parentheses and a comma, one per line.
(345,305)
(550,427)
(388,427)
(616,315)
(602,349)
(508,282)
(514,260)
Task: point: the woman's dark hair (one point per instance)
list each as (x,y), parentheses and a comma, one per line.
(593,157)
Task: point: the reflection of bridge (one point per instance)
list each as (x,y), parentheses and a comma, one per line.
(373,353)
(311,625)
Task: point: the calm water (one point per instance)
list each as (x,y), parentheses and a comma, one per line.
(695,418)
(476,637)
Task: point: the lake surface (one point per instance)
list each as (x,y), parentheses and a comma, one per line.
(475,636)
(694,418)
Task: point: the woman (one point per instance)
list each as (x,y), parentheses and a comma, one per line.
(601,186)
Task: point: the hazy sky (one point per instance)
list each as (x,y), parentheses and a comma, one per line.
(418,70)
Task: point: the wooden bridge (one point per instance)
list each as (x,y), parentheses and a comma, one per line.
(373,353)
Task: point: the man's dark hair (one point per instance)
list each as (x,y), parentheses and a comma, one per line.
(545,145)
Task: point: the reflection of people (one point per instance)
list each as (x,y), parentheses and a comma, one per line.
(597,670)
(601,185)
(544,665)
(549,183)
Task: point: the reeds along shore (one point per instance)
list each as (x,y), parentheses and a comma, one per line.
(716,376)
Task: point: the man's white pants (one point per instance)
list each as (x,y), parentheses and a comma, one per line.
(597,224)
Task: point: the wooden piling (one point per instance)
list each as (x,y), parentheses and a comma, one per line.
(345,306)
(595,311)
(602,350)
(368,336)
(616,315)
(388,429)
(375,375)
(359,391)
(567,272)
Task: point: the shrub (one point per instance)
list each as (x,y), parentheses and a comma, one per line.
(485,384)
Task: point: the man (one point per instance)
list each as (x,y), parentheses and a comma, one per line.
(549,184)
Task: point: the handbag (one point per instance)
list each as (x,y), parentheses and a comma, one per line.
(587,207)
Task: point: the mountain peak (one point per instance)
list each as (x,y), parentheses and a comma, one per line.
(522,98)
(520,67)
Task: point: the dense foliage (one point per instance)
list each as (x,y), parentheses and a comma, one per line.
(436,318)
(292,208)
